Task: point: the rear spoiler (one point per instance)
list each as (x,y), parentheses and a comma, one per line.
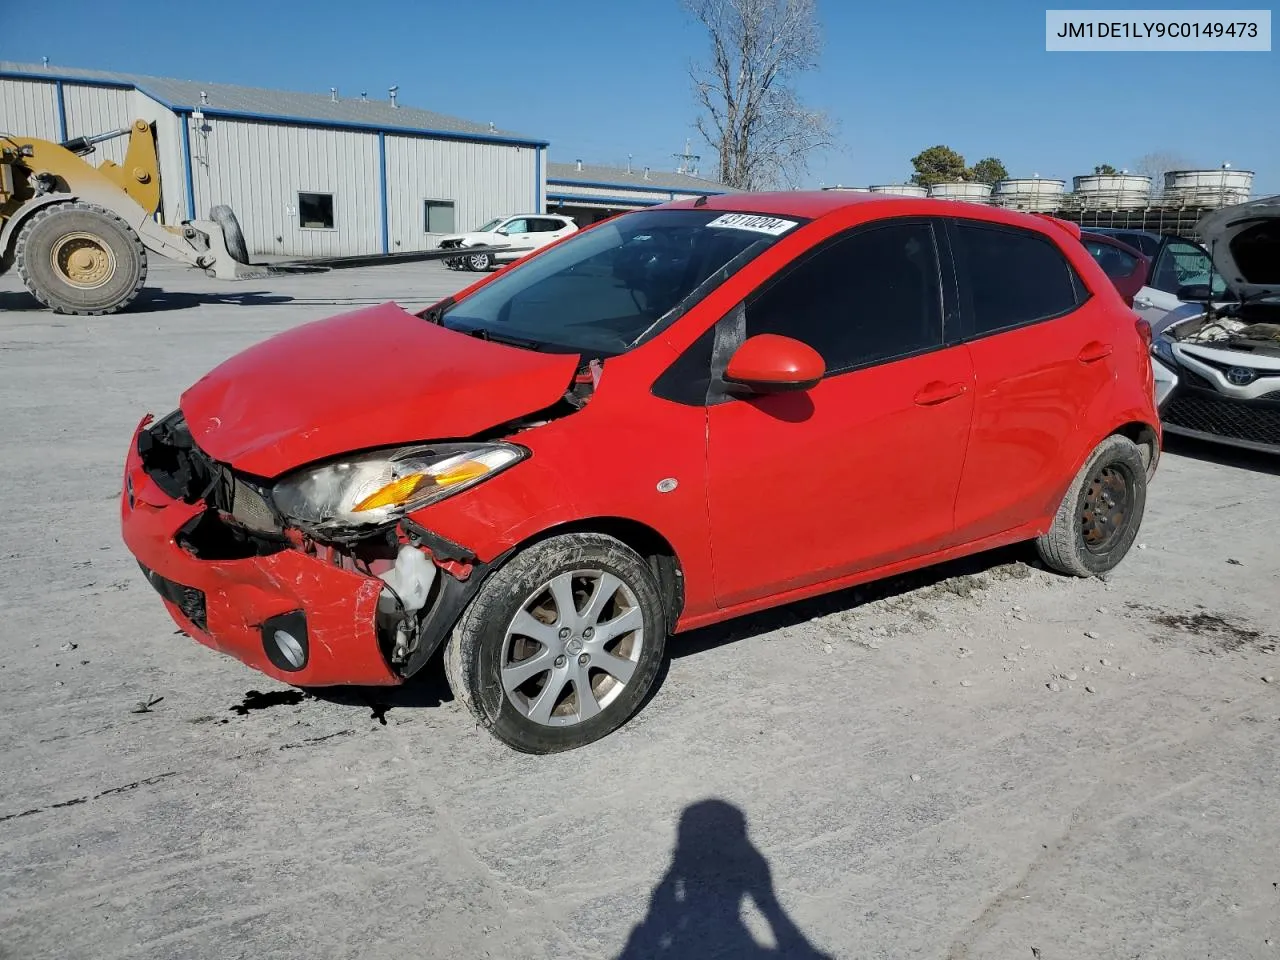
(1067,225)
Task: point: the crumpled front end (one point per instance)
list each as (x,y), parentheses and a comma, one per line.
(236,579)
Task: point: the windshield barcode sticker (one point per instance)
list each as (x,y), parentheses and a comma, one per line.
(750,221)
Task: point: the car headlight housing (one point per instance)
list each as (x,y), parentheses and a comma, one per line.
(1162,349)
(374,489)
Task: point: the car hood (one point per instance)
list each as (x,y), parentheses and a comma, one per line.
(1244,241)
(478,239)
(376,377)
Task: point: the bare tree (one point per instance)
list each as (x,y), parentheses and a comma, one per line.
(752,117)
(1155,165)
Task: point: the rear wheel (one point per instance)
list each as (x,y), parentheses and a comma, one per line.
(80,259)
(561,645)
(1100,515)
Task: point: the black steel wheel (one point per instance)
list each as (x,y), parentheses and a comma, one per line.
(1101,513)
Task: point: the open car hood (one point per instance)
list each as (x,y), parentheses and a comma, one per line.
(1244,241)
(375,377)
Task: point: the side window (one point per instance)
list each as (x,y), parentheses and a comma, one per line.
(870,296)
(1010,277)
(438,216)
(1143,242)
(1182,263)
(315,211)
(1115,263)
(516,226)
(546,225)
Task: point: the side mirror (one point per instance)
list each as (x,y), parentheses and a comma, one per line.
(769,363)
(1195,291)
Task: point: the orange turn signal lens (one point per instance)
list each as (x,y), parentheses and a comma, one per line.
(395,492)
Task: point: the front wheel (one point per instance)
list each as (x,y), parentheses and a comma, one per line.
(1099,517)
(561,645)
(80,259)
(480,262)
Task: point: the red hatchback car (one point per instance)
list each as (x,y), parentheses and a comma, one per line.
(674,417)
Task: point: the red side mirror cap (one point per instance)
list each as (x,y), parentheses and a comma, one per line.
(770,363)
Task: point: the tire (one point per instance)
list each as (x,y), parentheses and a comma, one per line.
(539,710)
(79,259)
(226,218)
(480,262)
(1101,513)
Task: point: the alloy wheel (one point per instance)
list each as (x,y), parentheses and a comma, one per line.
(572,648)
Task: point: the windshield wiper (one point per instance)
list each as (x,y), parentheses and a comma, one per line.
(482,333)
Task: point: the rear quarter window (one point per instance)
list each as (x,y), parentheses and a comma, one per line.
(1011,277)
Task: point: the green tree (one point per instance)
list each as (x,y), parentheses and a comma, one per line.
(938,164)
(1105,170)
(988,170)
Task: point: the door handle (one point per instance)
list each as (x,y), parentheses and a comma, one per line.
(1143,302)
(1093,352)
(934,393)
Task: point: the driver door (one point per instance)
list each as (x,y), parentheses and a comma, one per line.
(1177,263)
(518,234)
(862,470)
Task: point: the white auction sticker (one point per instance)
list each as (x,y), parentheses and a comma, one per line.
(1128,30)
(750,221)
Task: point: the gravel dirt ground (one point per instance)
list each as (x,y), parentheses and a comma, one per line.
(980,761)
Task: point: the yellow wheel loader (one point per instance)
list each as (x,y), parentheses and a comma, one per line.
(79,234)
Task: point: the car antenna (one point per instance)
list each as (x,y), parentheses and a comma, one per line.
(701,201)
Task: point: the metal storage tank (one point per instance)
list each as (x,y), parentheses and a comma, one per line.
(962,190)
(1033,194)
(900,189)
(1115,191)
(1208,188)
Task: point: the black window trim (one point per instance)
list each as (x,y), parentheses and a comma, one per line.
(666,388)
(968,321)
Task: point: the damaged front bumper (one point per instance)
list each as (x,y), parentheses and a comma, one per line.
(294,610)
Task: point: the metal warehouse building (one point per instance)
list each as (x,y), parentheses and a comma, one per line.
(589,193)
(307,174)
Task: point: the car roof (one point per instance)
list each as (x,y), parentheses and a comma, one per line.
(812,204)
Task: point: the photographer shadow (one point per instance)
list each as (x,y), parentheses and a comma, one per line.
(696,910)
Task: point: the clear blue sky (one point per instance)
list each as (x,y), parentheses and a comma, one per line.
(603,79)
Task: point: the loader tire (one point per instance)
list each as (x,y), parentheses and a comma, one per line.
(225,217)
(79,259)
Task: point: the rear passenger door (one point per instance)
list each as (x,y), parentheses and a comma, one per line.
(1043,358)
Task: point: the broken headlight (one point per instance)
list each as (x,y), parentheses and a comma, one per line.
(373,489)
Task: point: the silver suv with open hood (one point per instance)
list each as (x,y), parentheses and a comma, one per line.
(1218,366)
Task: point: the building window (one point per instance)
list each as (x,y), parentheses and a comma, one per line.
(315,211)
(438,216)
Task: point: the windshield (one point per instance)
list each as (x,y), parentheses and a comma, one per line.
(608,288)
(488,226)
